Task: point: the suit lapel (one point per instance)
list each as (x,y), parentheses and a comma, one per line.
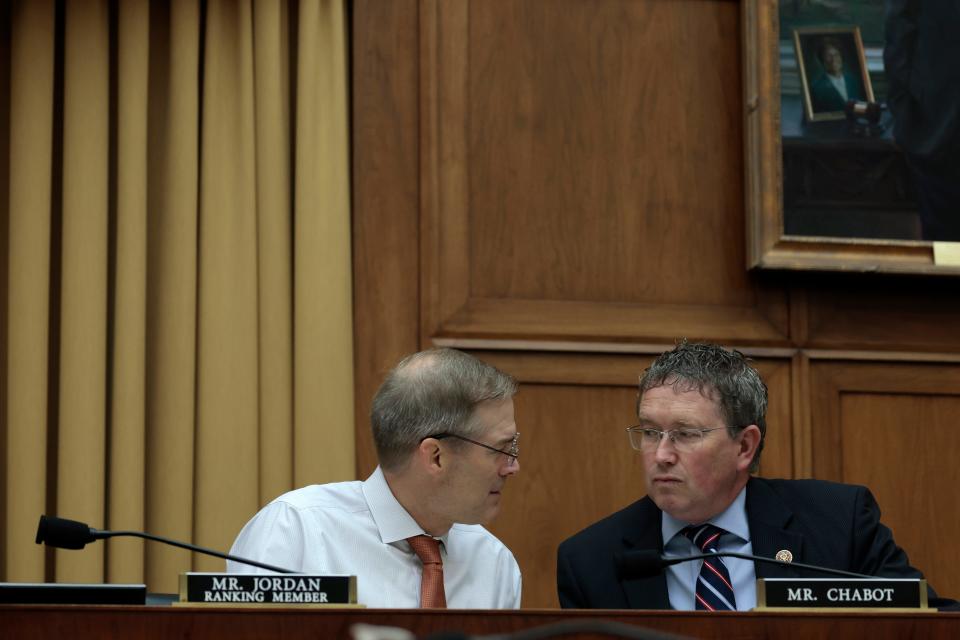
(768,518)
(645,533)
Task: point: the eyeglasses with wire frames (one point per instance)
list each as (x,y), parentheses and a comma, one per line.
(512,452)
(647,439)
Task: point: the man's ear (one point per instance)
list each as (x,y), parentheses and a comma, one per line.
(430,456)
(749,441)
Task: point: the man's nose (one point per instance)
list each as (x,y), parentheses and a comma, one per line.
(665,450)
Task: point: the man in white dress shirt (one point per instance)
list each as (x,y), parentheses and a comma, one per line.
(446,439)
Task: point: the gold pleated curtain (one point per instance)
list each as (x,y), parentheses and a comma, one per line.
(177,325)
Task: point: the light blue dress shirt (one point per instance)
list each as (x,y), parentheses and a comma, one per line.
(682,578)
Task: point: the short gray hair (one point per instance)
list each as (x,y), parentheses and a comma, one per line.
(428,393)
(714,371)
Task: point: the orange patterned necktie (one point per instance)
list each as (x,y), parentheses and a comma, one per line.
(431,584)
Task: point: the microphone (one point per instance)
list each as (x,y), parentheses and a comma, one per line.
(70,534)
(646,563)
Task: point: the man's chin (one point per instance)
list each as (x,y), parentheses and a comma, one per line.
(666,499)
(490,513)
(484,517)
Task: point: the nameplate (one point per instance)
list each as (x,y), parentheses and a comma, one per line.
(63,593)
(267,589)
(841,593)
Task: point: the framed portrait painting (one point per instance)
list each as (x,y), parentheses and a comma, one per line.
(832,69)
(784,54)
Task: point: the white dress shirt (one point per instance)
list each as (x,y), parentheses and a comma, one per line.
(359,528)
(682,577)
(840,84)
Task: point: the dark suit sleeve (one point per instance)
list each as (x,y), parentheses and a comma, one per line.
(876,553)
(900,48)
(568,588)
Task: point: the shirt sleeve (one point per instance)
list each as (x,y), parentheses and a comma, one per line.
(274,536)
(507,582)
(517,579)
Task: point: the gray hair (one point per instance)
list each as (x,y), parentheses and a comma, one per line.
(715,372)
(428,393)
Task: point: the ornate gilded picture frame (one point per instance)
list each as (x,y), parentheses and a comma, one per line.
(772,244)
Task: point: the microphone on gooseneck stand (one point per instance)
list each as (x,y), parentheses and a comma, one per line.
(70,534)
(646,563)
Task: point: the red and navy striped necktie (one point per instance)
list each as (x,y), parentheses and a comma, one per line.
(714,589)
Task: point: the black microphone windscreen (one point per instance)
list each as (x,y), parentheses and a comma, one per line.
(63,533)
(641,563)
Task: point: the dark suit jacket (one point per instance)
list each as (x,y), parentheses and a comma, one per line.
(921,61)
(825,97)
(822,523)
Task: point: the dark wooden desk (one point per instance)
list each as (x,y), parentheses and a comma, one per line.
(836,184)
(102,622)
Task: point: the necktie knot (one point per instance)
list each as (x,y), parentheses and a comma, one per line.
(705,537)
(426,548)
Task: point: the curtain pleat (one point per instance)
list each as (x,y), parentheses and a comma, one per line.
(28,286)
(172,283)
(178,345)
(275,269)
(227,415)
(126,487)
(322,277)
(81,437)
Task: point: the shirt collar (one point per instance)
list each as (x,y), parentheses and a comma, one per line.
(733,519)
(393,522)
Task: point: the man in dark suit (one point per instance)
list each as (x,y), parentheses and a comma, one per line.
(702,428)
(921,61)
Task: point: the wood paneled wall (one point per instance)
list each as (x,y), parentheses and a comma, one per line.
(557,186)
